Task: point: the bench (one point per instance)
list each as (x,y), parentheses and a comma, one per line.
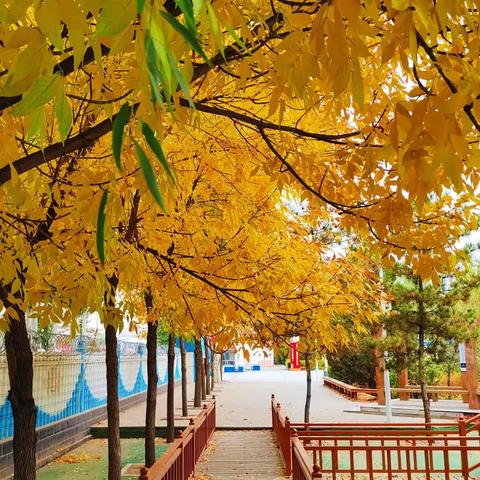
(434,391)
(346,389)
(232,369)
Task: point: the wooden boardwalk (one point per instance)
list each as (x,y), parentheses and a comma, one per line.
(241,454)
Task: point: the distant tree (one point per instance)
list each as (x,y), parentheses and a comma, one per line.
(162,333)
(423,321)
(282,354)
(354,364)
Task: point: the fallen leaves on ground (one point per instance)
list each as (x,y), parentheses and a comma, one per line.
(72,458)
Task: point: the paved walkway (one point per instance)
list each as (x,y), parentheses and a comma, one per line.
(243,399)
(241,454)
(135,416)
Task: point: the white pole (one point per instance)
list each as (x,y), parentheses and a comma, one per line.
(388,393)
(386,372)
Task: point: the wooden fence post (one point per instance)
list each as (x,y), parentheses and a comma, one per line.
(462,432)
(272,403)
(289,466)
(191,423)
(288,460)
(182,455)
(316,472)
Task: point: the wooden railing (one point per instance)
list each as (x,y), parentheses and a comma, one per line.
(434,391)
(451,450)
(296,460)
(281,428)
(179,460)
(348,390)
(377,456)
(352,392)
(302,465)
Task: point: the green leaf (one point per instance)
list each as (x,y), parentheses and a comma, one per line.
(36,127)
(115,16)
(186,6)
(154,144)
(149,175)
(101,227)
(140,6)
(162,52)
(118,127)
(187,34)
(64,114)
(153,71)
(197,6)
(181,81)
(215,28)
(40,93)
(235,36)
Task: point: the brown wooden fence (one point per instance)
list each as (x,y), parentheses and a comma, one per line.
(346,389)
(281,428)
(379,451)
(179,460)
(434,391)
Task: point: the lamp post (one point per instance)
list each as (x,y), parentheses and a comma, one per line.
(386,372)
(388,393)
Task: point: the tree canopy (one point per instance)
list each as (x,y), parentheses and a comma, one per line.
(164,137)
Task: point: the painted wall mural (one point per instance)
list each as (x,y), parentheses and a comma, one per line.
(69,383)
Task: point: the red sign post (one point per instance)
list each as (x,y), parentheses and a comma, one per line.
(294,354)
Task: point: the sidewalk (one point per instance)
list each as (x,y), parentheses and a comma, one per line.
(135,416)
(244,400)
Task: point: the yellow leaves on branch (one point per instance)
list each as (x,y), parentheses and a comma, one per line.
(282,124)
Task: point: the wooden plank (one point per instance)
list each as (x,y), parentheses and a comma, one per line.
(241,454)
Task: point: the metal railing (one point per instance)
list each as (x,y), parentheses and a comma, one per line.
(70,376)
(179,460)
(400,450)
(44,342)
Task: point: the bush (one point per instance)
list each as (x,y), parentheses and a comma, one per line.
(355,366)
(281,354)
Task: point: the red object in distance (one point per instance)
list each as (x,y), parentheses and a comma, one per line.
(294,355)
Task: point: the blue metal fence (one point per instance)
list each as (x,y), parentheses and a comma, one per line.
(71,379)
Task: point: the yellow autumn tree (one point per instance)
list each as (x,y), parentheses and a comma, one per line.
(366,110)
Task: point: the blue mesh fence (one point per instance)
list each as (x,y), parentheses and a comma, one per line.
(70,377)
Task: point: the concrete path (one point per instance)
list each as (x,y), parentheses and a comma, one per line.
(135,416)
(243,399)
(241,454)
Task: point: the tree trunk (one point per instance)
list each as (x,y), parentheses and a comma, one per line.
(306,415)
(207,370)
(113,410)
(183,361)
(171,389)
(20,395)
(197,399)
(221,367)
(421,353)
(212,369)
(152,383)
(203,377)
